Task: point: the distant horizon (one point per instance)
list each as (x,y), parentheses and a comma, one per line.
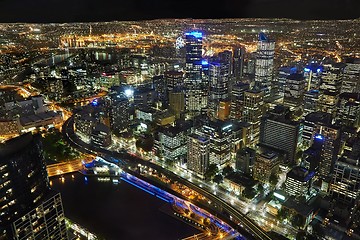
(70,11)
(190,19)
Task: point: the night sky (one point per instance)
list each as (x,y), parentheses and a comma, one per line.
(108,10)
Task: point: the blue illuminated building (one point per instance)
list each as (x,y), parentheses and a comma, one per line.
(196,34)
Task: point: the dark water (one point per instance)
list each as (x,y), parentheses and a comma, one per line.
(118,211)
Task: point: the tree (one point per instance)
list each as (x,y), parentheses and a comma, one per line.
(218,178)
(282,214)
(249,192)
(297,221)
(273,179)
(227,170)
(260,188)
(211,171)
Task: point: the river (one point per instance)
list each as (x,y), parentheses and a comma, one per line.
(117,211)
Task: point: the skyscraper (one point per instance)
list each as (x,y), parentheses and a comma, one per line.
(294,90)
(29,209)
(198,153)
(264,64)
(219,85)
(279,132)
(238,64)
(253,111)
(195,93)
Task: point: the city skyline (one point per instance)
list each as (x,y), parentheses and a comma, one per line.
(236,128)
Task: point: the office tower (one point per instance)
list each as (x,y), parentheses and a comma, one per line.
(177,102)
(299,181)
(101,136)
(294,90)
(119,113)
(160,87)
(312,74)
(238,64)
(264,64)
(348,110)
(220,134)
(345,184)
(219,86)
(329,153)
(174,80)
(311,101)
(198,153)
(237,100)
(173,142)
(351,77)
(253,111)
(331,78)
(265,165)
(29,208)
(282,75)
(144,97)
(312,123)
(195,89)
(279,132)
(55,88)
(245,159)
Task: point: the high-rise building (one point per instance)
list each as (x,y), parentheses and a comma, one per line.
(174,80)
(348,110)
(351,77)
(265,165)
(237,100)
(299,181)
(220,135)
(195,89)
(345,184)
(312,123)
(173,141)
(198,153)
(245,159)
(264,64)
(279,132)
(312,74)
(330,150)
(294,90)
(177,102)
(238,64)
(219,86)
(119,113)
(282,75)
(29,208)
(253,111)
(311,101)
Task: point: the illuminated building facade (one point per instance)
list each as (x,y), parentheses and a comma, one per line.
(279,132)
(299,181)
(195,89)
(348,110)
(198,153)
(264,64)
(253,111)
(219,77)
(294,90)
(220,135)
(238,64)
(29,209)
(119,113)
(265,165)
